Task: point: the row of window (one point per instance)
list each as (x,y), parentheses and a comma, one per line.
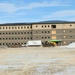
(44,26)
(22,38)
(44,37)
(16,38)
(23,32)
(17,33)
(14,27)
(12,43)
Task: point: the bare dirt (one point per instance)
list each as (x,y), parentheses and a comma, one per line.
(37,61)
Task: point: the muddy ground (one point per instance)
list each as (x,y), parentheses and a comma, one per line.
(37,61)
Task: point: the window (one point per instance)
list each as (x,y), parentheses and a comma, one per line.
(71,36)
(24,38)
(45,37)
(53,37)
(18,27)
(28,38)
(24,27)
(21,38)
(36,26)
(48,37)
(42,37)
(18,38)
(48,25)
(9,27)
(36,37)
(42,43)
(53,32)
(31,27)
(64,42)
(45,31)
(21,32)
(9,38)
(0,27)
(42,31)
(70,25)
(3,43)
(12,33)
(12,27)
(12,38)
(21,27)
(15,38)
(6,27)
(70,31)
(64,36)
(0,38)
(42,26)
(3,38)
(18,32)
(48,31)
(3,27)
(45,26)
(15,27)
(24,32)
(53,26)
(6,38)
(28,27)
(31,37)
(15,33)
(64,31)
(27,32)
(9,33)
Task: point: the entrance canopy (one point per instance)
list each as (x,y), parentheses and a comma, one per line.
(54,41)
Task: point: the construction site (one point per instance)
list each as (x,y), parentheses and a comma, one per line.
(53,60)
(42,48)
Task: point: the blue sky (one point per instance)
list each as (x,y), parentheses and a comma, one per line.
(18,11)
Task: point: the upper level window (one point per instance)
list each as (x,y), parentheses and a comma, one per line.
(24,27)
(3,27)
(36,26)
(6,27)
(21,27)
(45,25)
(42,26)
(12,27)
(28,27)
(48,25)
(70,25)
(15,27)
(9,27)
(53,26)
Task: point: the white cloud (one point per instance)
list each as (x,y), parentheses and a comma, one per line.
(7,7)
(42,4)
(13,7)
(60,14)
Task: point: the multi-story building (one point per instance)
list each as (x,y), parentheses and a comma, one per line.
(20,33)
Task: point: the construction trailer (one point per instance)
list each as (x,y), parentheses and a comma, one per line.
(33,43)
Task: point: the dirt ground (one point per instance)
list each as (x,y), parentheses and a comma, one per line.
(37,61)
